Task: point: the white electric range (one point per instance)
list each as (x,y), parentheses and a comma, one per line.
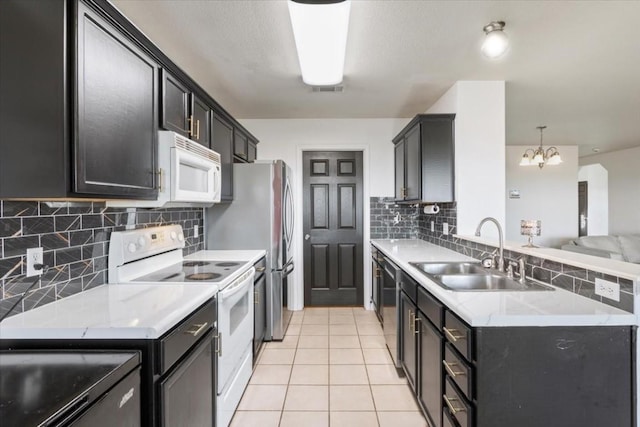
(155,255)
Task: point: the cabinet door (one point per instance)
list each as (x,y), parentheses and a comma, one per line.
(187,393)
(240,148)
(252,151)
(408,339)
(260,313)
(222,143)
(116,134)
(201,121)
(430,372)
(175,105)
(376,280)
(413,165)
(398,155)
(438,160)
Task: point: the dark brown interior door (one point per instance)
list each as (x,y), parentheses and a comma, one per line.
(332,226)
(583,203)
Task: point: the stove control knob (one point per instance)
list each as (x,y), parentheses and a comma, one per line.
(142,242)
(181,237)
(132,247)
(174,235)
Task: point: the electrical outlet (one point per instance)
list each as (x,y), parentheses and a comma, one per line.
(433,226)
(608,289)
(445,228)
(34,256)
(196,232)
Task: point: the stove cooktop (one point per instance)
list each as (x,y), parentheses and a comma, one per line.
(193,272)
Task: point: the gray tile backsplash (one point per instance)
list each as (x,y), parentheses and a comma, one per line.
(415,224)
(75,240)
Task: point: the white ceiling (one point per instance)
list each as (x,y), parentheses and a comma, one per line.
(573,65)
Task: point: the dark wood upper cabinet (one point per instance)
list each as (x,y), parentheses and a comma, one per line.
(240,146)
(79,122)
(252,150)
(115,152)
(222,143)
(175,105)
(88,92)
(424,159)
(201,116)
(184,112)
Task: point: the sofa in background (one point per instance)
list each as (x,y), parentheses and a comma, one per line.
(624,247)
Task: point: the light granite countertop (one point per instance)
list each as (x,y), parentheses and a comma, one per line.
(502,308)
(122,311)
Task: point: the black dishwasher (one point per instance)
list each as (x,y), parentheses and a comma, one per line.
(59,388)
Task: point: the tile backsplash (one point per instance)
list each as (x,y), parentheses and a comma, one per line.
(574,279)
(75,241)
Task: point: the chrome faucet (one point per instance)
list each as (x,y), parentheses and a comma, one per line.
(500,237)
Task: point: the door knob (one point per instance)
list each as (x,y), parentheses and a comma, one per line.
(307,237)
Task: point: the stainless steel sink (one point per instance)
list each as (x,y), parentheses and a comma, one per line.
(439,268)
(467,276)
(486,282)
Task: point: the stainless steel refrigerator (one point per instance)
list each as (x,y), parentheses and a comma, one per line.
(260,217)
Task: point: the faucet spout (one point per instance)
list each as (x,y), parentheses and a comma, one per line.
(500,238)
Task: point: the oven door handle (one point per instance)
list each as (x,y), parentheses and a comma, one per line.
(239,286)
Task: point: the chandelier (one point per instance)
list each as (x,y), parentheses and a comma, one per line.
(540,156)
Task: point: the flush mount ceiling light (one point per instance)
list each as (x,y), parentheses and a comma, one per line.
(320,30)
(496,41)
(540,156)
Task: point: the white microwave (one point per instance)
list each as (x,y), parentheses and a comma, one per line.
(189,174)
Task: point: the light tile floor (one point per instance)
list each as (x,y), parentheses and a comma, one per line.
(332,369)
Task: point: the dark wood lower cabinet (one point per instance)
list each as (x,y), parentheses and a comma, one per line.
(430,369)
(259,314)
(408,341)
(552,376)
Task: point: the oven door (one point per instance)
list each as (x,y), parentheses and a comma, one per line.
(235,327)
(194,178)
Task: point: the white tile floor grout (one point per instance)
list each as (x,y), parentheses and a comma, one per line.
(331,369)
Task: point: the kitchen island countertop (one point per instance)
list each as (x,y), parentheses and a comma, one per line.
(502,308)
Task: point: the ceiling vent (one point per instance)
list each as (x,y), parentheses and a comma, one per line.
(328,88)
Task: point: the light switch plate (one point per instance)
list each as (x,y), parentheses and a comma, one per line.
(196,232)
(433,226)
(608,289)
(445,228)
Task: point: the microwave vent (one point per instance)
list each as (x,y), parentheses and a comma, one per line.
(193,147)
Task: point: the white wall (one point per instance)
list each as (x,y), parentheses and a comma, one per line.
(624,188)
(549,194)
(480,151)
(597,178)
(286,139)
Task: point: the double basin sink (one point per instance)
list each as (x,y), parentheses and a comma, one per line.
(466,276)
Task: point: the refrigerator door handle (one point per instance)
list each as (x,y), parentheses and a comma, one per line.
(288,213)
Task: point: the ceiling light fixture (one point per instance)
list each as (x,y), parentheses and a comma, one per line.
(540,156)
(320,29)
(496,41)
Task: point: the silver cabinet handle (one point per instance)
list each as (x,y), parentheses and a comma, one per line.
(307,237)
(261,269)
(451,334)
(448,367)
(452,408)
(196,329)
(219,344)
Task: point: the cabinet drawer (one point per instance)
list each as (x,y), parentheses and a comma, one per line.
(261,268)
(457,405)
(409,286)
(447,419)
(430,307)
(458,370)
(186,334)
(458,334)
